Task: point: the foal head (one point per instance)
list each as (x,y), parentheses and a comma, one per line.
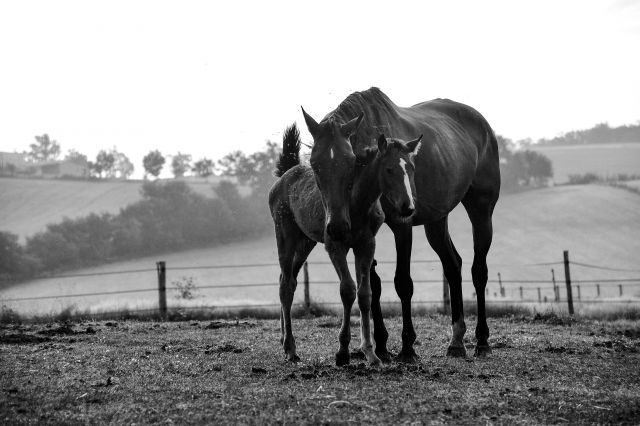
(396,173)
(333,163)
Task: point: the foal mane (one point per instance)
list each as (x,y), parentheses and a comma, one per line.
(290,155)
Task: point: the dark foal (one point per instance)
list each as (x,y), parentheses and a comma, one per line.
(336,202)
(457,162)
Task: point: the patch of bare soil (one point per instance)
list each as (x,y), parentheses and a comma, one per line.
(541,371)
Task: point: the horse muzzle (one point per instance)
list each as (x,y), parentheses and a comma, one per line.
(338,230)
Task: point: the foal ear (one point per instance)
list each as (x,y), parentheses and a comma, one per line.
(312,125)
(350,127)
(382,144)
(414,145)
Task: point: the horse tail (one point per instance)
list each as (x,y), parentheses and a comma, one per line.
(290,156)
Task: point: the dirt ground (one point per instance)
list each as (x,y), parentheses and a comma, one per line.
(543,370)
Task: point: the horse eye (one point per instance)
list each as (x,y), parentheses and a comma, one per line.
(389,170)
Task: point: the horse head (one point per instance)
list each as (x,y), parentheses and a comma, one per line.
(333,163)
(396,173)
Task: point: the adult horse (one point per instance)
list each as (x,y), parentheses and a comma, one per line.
(303,206)
(457,162)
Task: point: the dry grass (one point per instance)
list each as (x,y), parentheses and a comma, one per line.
(549,370)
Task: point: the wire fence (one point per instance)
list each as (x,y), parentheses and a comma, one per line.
(614,291)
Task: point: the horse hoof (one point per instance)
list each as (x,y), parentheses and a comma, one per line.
(375,363)
(292,357)
(456,351)
(342,359)
(408,357)
(482,351)
(384,356)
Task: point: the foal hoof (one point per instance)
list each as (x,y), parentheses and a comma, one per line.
(342,358)
(408,356)
(482,351)
(384,355)
(456,351)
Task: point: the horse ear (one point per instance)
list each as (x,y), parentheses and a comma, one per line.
(351,126)
(312,125)
(382,144)
(414,145)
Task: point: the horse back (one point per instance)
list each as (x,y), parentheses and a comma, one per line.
(459,151)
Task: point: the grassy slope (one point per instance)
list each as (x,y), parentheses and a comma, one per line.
(234,373)
(28,205)
(604,159)
(598,224)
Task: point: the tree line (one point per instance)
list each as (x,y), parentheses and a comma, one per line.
(600,133)
(169,217)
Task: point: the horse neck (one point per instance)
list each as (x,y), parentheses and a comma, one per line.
(366,188)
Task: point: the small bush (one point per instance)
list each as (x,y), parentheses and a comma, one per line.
(185,288)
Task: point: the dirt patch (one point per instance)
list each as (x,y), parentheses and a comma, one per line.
(22,339)
(540,372)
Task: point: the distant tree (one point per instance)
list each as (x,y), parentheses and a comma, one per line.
(153,163)
(104,164)
(76,157)
(539,167)
(255,170)
(203,167)
(180,164)
(123,167)
(11,256)
(44,149)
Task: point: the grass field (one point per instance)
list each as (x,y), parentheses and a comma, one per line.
(601,159)
(543,370)
(28,205)
(600,225)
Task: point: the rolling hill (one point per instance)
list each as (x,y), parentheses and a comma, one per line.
(599,225)
(28,205)
(601,159)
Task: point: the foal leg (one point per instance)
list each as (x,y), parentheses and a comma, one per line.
(338,255)
(439,239)
(480,209)
(403,235)
(364,257)
(380,333)
(288,237)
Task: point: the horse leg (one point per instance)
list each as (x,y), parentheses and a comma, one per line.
(338,255)
(380,334)
(287,237)
(440,240)
(364,256)
(403,235)
(480,210)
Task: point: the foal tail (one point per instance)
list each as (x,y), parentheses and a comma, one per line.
(290,156)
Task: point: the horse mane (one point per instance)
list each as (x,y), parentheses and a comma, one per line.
(378,109)
(290,155)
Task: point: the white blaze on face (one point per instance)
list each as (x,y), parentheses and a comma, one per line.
(407,183)
(331,153)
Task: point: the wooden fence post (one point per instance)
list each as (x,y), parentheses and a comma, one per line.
(500,283)
(567,279)
(620,288)
(162,288)
(539,296)
(598,290)
(556,289)
(578,288)
(446,297)
(521,293)
(305,277)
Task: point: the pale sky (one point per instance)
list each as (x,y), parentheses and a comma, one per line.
(208,77)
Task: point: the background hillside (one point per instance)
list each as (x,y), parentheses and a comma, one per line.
(599,225)
(602,159)
(28,205)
